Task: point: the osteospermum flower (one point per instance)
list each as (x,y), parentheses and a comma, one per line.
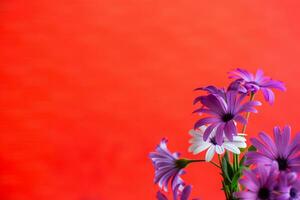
(168,166)
(184,195)
(224,113)
(254,83)
(288,187)
(198,144)
(281,150)
(259,184)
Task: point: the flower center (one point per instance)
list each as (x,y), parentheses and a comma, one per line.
(263,193)
(181,163)
(213,140)
(293,192)
(282,163)
(227,117)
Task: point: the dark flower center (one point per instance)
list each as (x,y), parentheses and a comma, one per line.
(213,141)
(227,117)
(282,163)
(263,193)
(293,192)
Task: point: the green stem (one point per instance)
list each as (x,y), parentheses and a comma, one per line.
(248,114)
(215,164)
(192,161)
(236,156)
(220,161)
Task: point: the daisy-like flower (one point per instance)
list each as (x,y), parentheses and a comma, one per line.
(198,144)
(259,184)
(184,195)
(168,167)
(224,113)
(288,187)
(254,83)
(281,150)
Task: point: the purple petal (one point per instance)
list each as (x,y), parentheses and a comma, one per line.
(219,134)
(186,192)
(269,83)
(249,184)
(268,95)
(243,74)
(208,131)
(277,137)
(268,140)
(257,158)
(250,175)
(205,121)
(161,196)
(259,75)
(231,100)
(214,103)
(210,89)
(248,107)
(286,134)
(240,119)
(294,147)
(261,147)
(230,130)
(246,195)
(237,86)
(205,110)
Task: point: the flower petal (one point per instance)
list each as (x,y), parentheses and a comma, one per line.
(210,153)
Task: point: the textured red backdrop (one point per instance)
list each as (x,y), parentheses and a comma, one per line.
(88,88)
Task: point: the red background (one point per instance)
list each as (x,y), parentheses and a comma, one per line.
(89,87)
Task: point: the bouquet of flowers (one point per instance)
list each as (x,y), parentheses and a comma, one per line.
(265,170)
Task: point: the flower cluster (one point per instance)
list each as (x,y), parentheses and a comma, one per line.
(276,165)
(269,168)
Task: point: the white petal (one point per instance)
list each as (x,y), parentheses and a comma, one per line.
(192,147)
(210,153)
(193,132)
(231,147)
(239,144)
(195,140)
(202,128)
(219,149)
(201,147)
(239,138)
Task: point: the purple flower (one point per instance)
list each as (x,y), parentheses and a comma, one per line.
(288,187)
(280,150)
(256,82)
(259,184)
(168,167)
(184,195)
(223,114)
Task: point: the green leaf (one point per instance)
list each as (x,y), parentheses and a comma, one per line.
(234,182)
(225,171)
(226,156)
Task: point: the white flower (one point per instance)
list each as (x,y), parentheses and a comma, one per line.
(198,144)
